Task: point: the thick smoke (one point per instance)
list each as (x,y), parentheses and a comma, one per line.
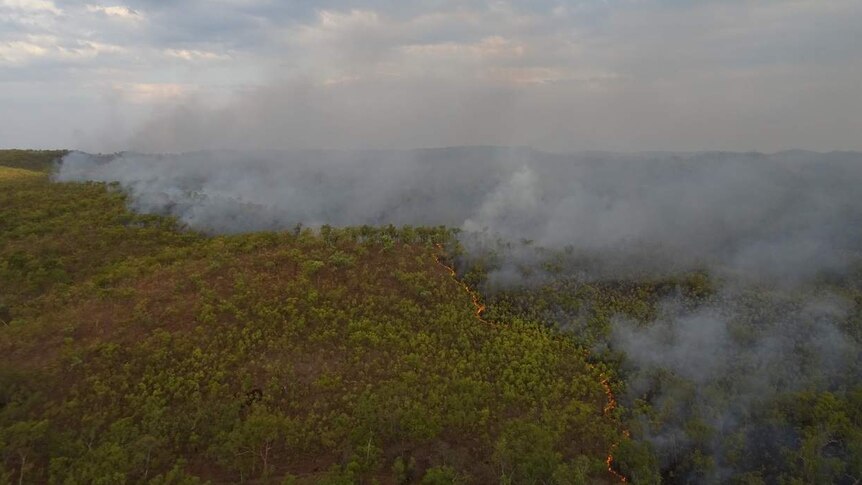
(786,216)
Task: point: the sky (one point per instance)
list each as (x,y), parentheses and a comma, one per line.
(626,75)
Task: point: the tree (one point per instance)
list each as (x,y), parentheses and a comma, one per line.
(20,442)
(255,440)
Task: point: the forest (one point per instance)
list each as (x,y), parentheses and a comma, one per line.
(137,348)
(135,351)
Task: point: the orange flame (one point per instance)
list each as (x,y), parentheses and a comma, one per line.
(480,307)
(474,297)
(609,407)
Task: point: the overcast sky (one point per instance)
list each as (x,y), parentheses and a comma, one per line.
(578,75)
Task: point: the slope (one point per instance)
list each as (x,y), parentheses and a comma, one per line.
(133,350)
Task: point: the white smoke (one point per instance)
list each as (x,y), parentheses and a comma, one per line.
(785,216)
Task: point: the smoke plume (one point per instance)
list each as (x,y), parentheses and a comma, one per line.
(786,215)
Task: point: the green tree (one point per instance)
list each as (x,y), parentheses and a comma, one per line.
(20,443)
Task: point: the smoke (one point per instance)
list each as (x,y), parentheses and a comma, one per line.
(773,231)
(790,347)
(724,363)
(787,216)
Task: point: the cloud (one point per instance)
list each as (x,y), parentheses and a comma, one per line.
(195,55)
(34,47)
(117,11)
(568,76)
(36,6)
(18,51)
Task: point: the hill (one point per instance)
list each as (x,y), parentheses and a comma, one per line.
(134,350)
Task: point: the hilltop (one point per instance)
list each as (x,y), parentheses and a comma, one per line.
(135,350)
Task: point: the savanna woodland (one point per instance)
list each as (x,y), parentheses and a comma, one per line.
(135,350)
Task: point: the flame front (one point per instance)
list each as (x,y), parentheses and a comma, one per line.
(480,307)
(474,297)
(609,407)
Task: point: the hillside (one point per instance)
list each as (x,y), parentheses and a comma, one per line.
(133,350)
(140,348)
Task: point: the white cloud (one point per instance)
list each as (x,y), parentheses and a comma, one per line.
(195,55)
(18,51)
(116,11)
(17,15)
(33,47)
(32,6)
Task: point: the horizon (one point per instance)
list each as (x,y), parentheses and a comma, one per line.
(450,147)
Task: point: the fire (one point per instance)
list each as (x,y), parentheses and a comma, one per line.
(612,402)
(611,470)
(474,297)
(609,407)
(480,307)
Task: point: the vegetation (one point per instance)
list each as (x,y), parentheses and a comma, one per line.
(135,351)
(37,160)
(791,417)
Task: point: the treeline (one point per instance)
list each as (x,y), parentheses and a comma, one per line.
(385,236)
(38,160)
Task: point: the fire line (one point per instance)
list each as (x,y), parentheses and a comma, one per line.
(480,307)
